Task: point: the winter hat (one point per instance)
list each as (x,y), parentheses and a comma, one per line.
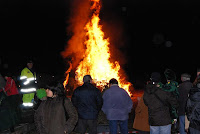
(155,76)
(41,93)
(185,76)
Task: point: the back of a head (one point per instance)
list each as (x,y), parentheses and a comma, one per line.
(185,77)
(113,81)
(87,79)
(155,77)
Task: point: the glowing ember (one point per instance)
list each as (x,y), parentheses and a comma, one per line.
(96,58)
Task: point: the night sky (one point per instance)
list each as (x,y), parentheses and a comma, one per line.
(151,35)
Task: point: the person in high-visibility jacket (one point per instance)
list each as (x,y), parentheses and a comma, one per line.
(28,84)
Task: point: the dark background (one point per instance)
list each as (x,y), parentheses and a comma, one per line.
(37,29)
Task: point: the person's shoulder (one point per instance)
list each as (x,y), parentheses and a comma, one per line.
(107,91)
(90,86)
(161,91)
(122,90)
(97,90)
(194,90)
(42,104)
(187,83)
(61,99)
(25,69)
(78,88)
(66,99)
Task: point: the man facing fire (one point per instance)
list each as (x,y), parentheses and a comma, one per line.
(117,104)
(88,101)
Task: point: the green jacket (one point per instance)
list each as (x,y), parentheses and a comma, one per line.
(171,86)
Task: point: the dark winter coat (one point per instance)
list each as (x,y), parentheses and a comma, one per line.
(88,101)
(50,117)
(159,114)
(183,89)
(193,104)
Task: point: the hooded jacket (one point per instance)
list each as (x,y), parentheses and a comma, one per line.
(55,115)
(159,114)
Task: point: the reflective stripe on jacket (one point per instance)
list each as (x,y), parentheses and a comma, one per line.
(28,80)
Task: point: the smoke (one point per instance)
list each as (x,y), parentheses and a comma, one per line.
(79,16)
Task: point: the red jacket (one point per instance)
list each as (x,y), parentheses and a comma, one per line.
(11,88)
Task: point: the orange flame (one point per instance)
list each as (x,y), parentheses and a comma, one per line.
(96,58)
(67,74)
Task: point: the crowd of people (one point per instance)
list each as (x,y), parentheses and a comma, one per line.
(55,113)
(169,108)
(162,108)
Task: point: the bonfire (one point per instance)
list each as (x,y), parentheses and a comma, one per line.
(96,58)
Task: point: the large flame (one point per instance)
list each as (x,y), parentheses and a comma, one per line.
(96,61)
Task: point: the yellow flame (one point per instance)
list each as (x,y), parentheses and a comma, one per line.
(96,59)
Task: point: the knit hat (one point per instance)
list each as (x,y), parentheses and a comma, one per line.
(41,93)
(155,76)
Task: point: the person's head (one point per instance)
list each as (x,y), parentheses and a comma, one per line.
(87,79)
(55,89)
(113,81)
(30,64)
(155,77)
(49,93)
(185,77)
(6,77)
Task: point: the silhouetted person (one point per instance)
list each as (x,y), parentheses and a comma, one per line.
(117,104)
(88,101)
